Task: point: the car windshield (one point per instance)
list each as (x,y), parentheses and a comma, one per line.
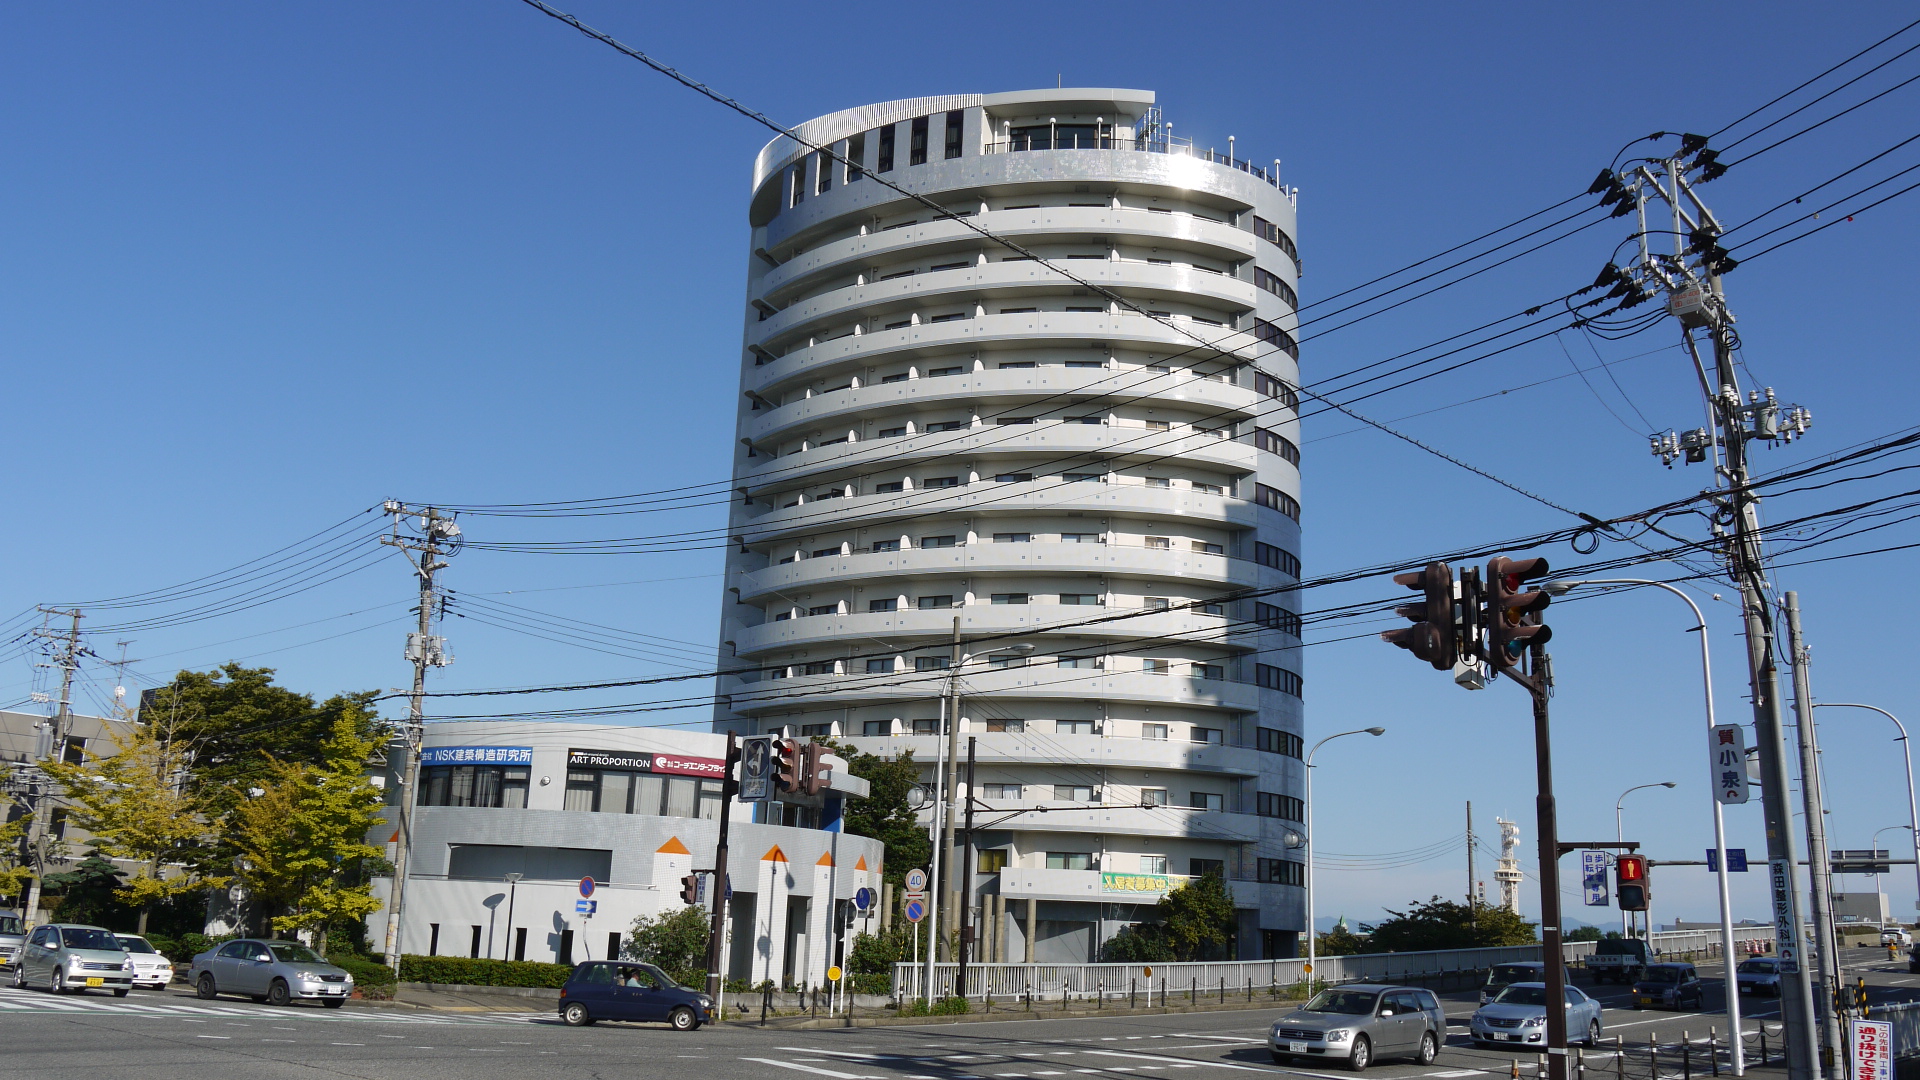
(9,924)
(291,952)
(87,937)
(1522,995)
(666,980)
(1346,1002)
(1671,975)
(1507,974)
(134,944)
(1757,967)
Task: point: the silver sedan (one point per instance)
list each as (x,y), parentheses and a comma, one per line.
(1518,1016)
(277,972)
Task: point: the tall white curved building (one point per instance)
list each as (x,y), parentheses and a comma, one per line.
(940,435)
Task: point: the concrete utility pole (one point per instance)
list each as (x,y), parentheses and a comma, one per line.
(1819,863)
(951,890)
(1472,895)
(438,536)
(1691,280)
(66,657)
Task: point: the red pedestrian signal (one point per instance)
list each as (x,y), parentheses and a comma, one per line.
(1512,617)
(1630,882)
(690,890)
(1434,635)
(786,765)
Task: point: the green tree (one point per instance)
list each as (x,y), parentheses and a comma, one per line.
(1192,922)
(887,815)
(1445,924)
(675,943)
(87,892)
(1584,933)
(1340,941)
(15,874)
(1141,943)
(302,841)
(875,954)
(137,805)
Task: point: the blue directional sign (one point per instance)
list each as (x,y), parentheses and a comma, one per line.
(586,907)
(1736,860)
(863,899)
(916,910)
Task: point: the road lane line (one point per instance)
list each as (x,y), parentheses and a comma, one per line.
(810,1069)
(1178,1061)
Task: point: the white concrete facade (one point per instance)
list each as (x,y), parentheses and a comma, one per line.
(500,797)
(938,436)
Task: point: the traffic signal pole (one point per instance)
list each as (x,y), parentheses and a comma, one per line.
(1539,684)
(717,929)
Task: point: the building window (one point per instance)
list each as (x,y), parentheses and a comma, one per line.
(824,609)
(926,727)
(1013,478)
(1275,678)
(889,604)
(798,184)
(1094,662)
(1274,335)
(1276,618)
(1154,731)
(1007,660)
(1268,386)
(1156,603)
(1153,796)
(917,142)
(1080,478)
(1203,867)
(1282,806)
(1007,726)
(1213,672)
(1279,558)
(871,728)
(1281,872)
(1080,538)
(1073,727)
(1159,482)
(937,541)
(1153,864)
(1202,547)
(1275,499)
(583,791)
(1013,538)
(856,152)
(889,487)
(955,124)
(822,730)
(934,603)
(882,666)
(1276,444)
(992,862)
(1001,791)
(1085,599)
(1205,800)
(1275,235)
(502,787)
(929,663)
(1159,543)
(1069,860)
(885,164)
(1265,280)
(1009,598)
(1210,735)
(949,317)
(818,667)
(1275,741)
(940,482)
(1154,667)
(823,169)
(947,425)
(887,545)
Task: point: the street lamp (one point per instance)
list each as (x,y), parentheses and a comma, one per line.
(1558,588)
(1312,935)
(1906,754)
(1618,835)
(513,882)
(1875,846)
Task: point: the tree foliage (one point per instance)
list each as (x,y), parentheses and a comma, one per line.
(887,814)
(1445,924)
(1584,933)
(1192,922)
(87,892)
(1340,941)
(675,943)
(15,874)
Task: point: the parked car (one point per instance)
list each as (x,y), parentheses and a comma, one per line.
(276,972)
(1758,976)
(1619,959)
(1896,935)
(11,938)
(611,990)
(1359,1024)
(1501,976)
(150,969)
(68,958)
(1913,960)
(1669,986)
(1518,1014)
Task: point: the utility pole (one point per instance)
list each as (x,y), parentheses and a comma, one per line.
(951,891)
(66,657)
(717,931)
(965,868)
(1691,280)
(1819,866)
(438,536)
(1473,911)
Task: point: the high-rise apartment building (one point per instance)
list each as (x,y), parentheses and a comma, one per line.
(960,471)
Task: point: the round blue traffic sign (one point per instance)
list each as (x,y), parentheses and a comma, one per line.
(916,910)
(863,899)
(586,887)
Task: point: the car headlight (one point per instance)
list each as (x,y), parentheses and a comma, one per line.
(307,975)
(128,966)
(1338,1035)
(1534,1021)
(705,1001)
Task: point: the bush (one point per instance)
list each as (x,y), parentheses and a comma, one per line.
(192,945)
(366,970)
(463,970)
(872,982)
(946,1006)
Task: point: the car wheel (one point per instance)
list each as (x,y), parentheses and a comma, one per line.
(334,1003)
(57,982)
(575,1014)
(683,1019)
(19,977)
(278,994)
(1593,1033)
(205,989)
(1429,1049)
(1362,1055)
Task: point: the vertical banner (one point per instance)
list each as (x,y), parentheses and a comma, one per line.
(1786,932)
(1727,762)
(1871,1044)
(1593,872)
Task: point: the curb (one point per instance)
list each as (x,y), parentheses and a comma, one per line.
(809,1023)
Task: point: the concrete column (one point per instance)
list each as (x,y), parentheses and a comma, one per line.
(770,922)
(886,906)
(820,922)
(1033,925)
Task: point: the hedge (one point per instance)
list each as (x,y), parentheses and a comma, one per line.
(470,972)
(366,971)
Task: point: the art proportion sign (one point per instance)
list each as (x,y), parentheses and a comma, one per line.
(647,762)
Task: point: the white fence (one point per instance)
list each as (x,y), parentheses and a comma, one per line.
(1088,980)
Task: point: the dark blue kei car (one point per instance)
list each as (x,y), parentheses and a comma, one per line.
(624,990)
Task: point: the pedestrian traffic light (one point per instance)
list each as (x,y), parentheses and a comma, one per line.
(690,889)
(786,765)
(1433,637)
(812,767)
(1630,882)
(1512,617)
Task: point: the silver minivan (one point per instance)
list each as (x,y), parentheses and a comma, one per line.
(66,958)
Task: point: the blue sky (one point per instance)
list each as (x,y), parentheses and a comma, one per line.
(267,265)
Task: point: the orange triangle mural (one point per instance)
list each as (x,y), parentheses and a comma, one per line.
(395,838)
(860,863)
(673,846)
(825,860)
(774,854)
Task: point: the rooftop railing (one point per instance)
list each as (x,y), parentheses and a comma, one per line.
(1124,140)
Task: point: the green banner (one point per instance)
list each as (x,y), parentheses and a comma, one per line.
(1139,883)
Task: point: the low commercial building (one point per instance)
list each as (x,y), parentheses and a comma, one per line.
(513,818)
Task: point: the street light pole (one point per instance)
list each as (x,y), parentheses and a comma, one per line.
(1875,846)
(513,885)
(1906,754)
(1620,837)
(1719,817)
(1312,936)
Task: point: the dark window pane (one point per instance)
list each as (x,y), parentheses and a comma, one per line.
(917,142)
(955,120)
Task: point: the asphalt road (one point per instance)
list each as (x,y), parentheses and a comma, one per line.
(167,1035)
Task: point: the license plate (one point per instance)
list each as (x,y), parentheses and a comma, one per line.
(1296,1048)
(94,980)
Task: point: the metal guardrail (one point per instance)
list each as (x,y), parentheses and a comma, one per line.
(1090,980)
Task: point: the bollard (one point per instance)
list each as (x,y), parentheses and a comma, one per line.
(1713,1047)
(1249,990)
(1686,1056)
(766,1001)
(1223,989)
(1763,1042)
(1163,993)
(1619,1059)
(1133,991)
(1029,997)
(1514,1072)
(1193,991)
(1653,1054)
(1063,997)
(1100,1002)
(1580,1065)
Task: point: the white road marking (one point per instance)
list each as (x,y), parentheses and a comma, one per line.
(1177,1061)
(213,1037)
(811,1069)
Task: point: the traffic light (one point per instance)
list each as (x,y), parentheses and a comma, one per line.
(1512,617)
(812,765)
(690,890)
(786,764)
(1630,882)
(1433,637)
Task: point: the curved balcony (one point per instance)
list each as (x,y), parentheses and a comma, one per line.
(1132,562)
(1044,748)
(1038,328)
(873,628)
(1089,442)
(772,525)
(1061,384)
(1181,232)
(1001,282)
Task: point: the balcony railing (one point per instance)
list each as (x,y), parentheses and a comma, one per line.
(1124,140)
